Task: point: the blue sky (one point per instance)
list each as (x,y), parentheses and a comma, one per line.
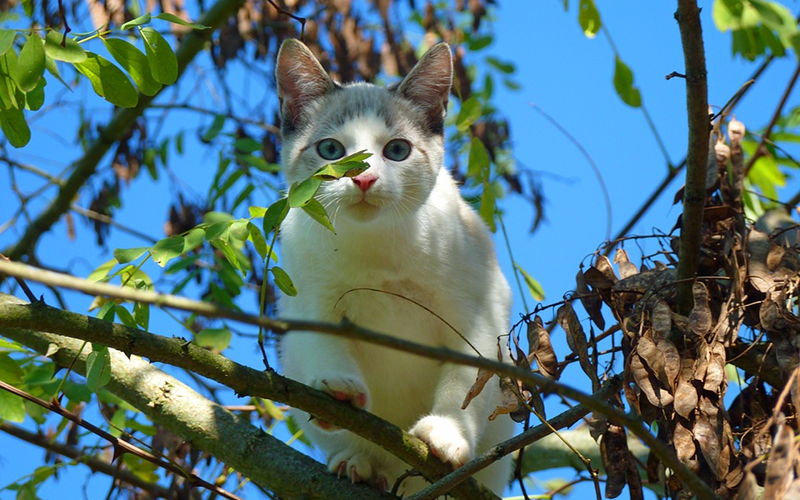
(561,71)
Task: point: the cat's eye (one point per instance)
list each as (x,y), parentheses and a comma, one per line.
(330,149)
(397,149)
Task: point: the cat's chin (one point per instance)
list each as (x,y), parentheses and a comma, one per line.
(363,211)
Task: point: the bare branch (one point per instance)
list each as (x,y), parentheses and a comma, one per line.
(694,194)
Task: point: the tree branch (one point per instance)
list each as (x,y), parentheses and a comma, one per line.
(12,313)
(207,425)
(119,125)
(242,379)
(694,194)
(94,463)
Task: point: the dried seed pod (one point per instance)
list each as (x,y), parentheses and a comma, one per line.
(590,301)
(615,454)
(781,463)
(624,264)
(736,130)
(722,153)
(700,316)
(544,354)
(661,320)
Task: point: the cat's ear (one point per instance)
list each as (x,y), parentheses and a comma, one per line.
(300,78)
(428,84)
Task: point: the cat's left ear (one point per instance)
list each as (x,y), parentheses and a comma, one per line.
(428,84)
(300,78)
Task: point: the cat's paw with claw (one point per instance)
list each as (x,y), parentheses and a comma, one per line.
(445,438)
(349,389)
(357,467)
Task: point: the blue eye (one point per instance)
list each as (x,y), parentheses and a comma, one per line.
(330,149)
(397,149)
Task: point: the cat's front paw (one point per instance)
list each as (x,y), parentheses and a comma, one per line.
(347,388)
(357,467)
(445,438)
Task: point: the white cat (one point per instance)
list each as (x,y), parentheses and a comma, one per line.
(402,228)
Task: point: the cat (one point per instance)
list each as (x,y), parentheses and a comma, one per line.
(404,232)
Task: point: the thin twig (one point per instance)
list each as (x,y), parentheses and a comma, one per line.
(105,219)
(301,20)
(597,173)
(79,456)
(120,445)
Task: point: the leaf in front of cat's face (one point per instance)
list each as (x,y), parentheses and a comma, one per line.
(301,193)
(349,166)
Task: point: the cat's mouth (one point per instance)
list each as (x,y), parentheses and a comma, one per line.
(363,210)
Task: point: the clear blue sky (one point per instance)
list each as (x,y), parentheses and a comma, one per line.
(560,70)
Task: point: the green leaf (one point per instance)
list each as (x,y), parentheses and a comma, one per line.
(536,290)
(15,128)
(301,193)
(256,212)
(166,16)
(471,110)
(193,239)
(478,166)
(275,215)
(503,67)
(12,408)
(167,249)
(10,371)
(30,65)
(135,63)
(103,269)
(247,145)
(123,255)
(623,84)
(283,281)
(216,339)
(317,212)
(70,52)
(141,314)
(349,166)
(77,392)
(479,42)
(108,81)
(487,207)
(258,240)
(214,130)
(35,98)
(98,368)
(162,60)
(6,40)
(40,374)
(589,18)
(125,316)
(136,22)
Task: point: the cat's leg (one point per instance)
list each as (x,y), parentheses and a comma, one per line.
(326,363)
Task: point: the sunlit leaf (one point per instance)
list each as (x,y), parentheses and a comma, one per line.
(536,290)
(478,166)
(6,40)
(108,81)
(98,368)
(589,18)
(123,255)
(275,215)
(623,84)
(300,193)
(30,65)
(167,249)
(135,63)
(283,281)
(136,22)
(15,127)
(12,408)
(471,110)
(162,60)
(317,212)
(70,51)
(166,16)
(216,339)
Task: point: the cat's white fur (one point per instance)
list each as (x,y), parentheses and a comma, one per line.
(409,235)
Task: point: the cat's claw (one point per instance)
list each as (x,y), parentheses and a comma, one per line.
(444,436)
(353,465)
(344,388)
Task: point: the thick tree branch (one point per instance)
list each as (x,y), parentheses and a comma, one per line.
(242,379)
(119,125)
(694,194)
(632,423)
(208,426)
(94,463)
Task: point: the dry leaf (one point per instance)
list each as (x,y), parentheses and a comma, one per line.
(661,320)
(576,339)
(590,301)
(545,355)
(624,264)
(700,316)
(776,253)
(615,455)
(780,464)
(510,400)
(484,376)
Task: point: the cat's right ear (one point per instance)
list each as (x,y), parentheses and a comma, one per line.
(300,78)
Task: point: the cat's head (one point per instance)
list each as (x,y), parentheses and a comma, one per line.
(401,126)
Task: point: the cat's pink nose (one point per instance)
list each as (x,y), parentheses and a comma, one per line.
(365,181)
